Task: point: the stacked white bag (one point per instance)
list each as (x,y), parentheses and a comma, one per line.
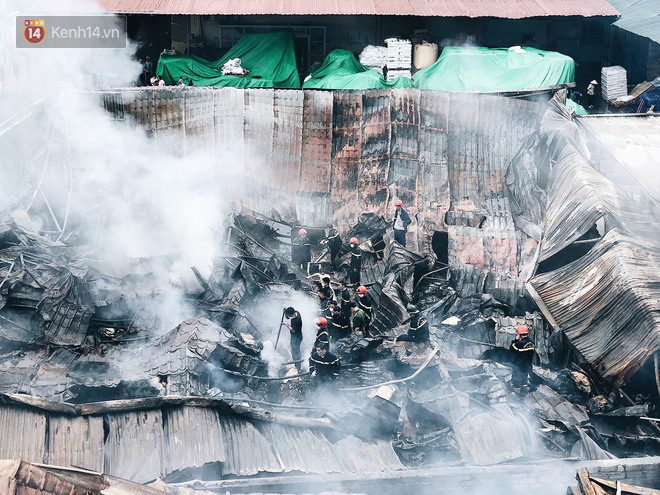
(399,58)
(614,82)
(374,57)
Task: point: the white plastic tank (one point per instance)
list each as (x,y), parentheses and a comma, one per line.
(425,54)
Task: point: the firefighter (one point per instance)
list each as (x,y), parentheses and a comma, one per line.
(356,261)
(325,283)
(322,334)
(401,222)
(340,326)
(295,328)
(360,320)
(345,300)
(364,301)
(324,298)
(330,312)
(419,327)
(323,365)
(523,354)
(301,250)
(333,241)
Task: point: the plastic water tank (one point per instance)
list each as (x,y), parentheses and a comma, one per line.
(425,54)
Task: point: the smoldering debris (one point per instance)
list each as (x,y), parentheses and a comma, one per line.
(71,333)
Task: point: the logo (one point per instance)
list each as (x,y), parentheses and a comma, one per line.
(34,31)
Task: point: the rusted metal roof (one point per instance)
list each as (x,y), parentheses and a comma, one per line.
(608,304)
(509,9)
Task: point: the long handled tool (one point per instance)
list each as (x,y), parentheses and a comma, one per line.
(279,330)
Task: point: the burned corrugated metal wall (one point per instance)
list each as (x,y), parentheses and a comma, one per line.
(320,156)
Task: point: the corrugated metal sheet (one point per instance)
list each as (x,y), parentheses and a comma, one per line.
(76,441)
(608,304)
(633,141)
(22,434)
(510,9)
(248,451)
(135,445)
(578,196)
(551,406)
(193,437)
(641,17)
(490,437)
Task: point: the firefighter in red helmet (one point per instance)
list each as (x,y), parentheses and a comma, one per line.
(356,261)
(301,250)
(523,355)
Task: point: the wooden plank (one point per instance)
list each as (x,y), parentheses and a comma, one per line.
(625,488)
(585,483)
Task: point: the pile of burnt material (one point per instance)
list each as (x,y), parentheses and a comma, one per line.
(458,395)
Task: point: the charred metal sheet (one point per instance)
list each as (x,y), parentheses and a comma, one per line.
(357,456)
(375,153)
(76,441)
(490,437)
(316,141)
(229,111)
(248,451)
(346,154)
(551,406)
(199,110)
(434,190)
(607,303)
(30,427)
(287,140)
(578,196)
(135,445)
(193,437)
(258,150)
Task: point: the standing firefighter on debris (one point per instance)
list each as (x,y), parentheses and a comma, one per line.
(325,283)
(523,355)
(365,303)
(295,327)
(301,250)
(356,261)
(340,326)
(333,241)
(324,299)
(360,320)
(419,327)
(401,222)
(344,295)
(323,365)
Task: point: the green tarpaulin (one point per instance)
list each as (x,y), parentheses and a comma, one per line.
(340,70)
(468,69)
(269,57)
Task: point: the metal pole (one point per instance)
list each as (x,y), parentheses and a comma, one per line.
(279,330)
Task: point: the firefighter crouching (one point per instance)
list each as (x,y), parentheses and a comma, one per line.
(323,365)
(523,355)
(419,327)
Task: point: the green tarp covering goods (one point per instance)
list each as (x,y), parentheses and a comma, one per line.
(469,69)
(340,70)
(269,57)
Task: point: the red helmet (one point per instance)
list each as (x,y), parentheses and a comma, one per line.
(522,329)
(398,202)
(353,240)
(321,322)
(302,232)
(362,290)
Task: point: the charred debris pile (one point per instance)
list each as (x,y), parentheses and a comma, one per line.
(70,333)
